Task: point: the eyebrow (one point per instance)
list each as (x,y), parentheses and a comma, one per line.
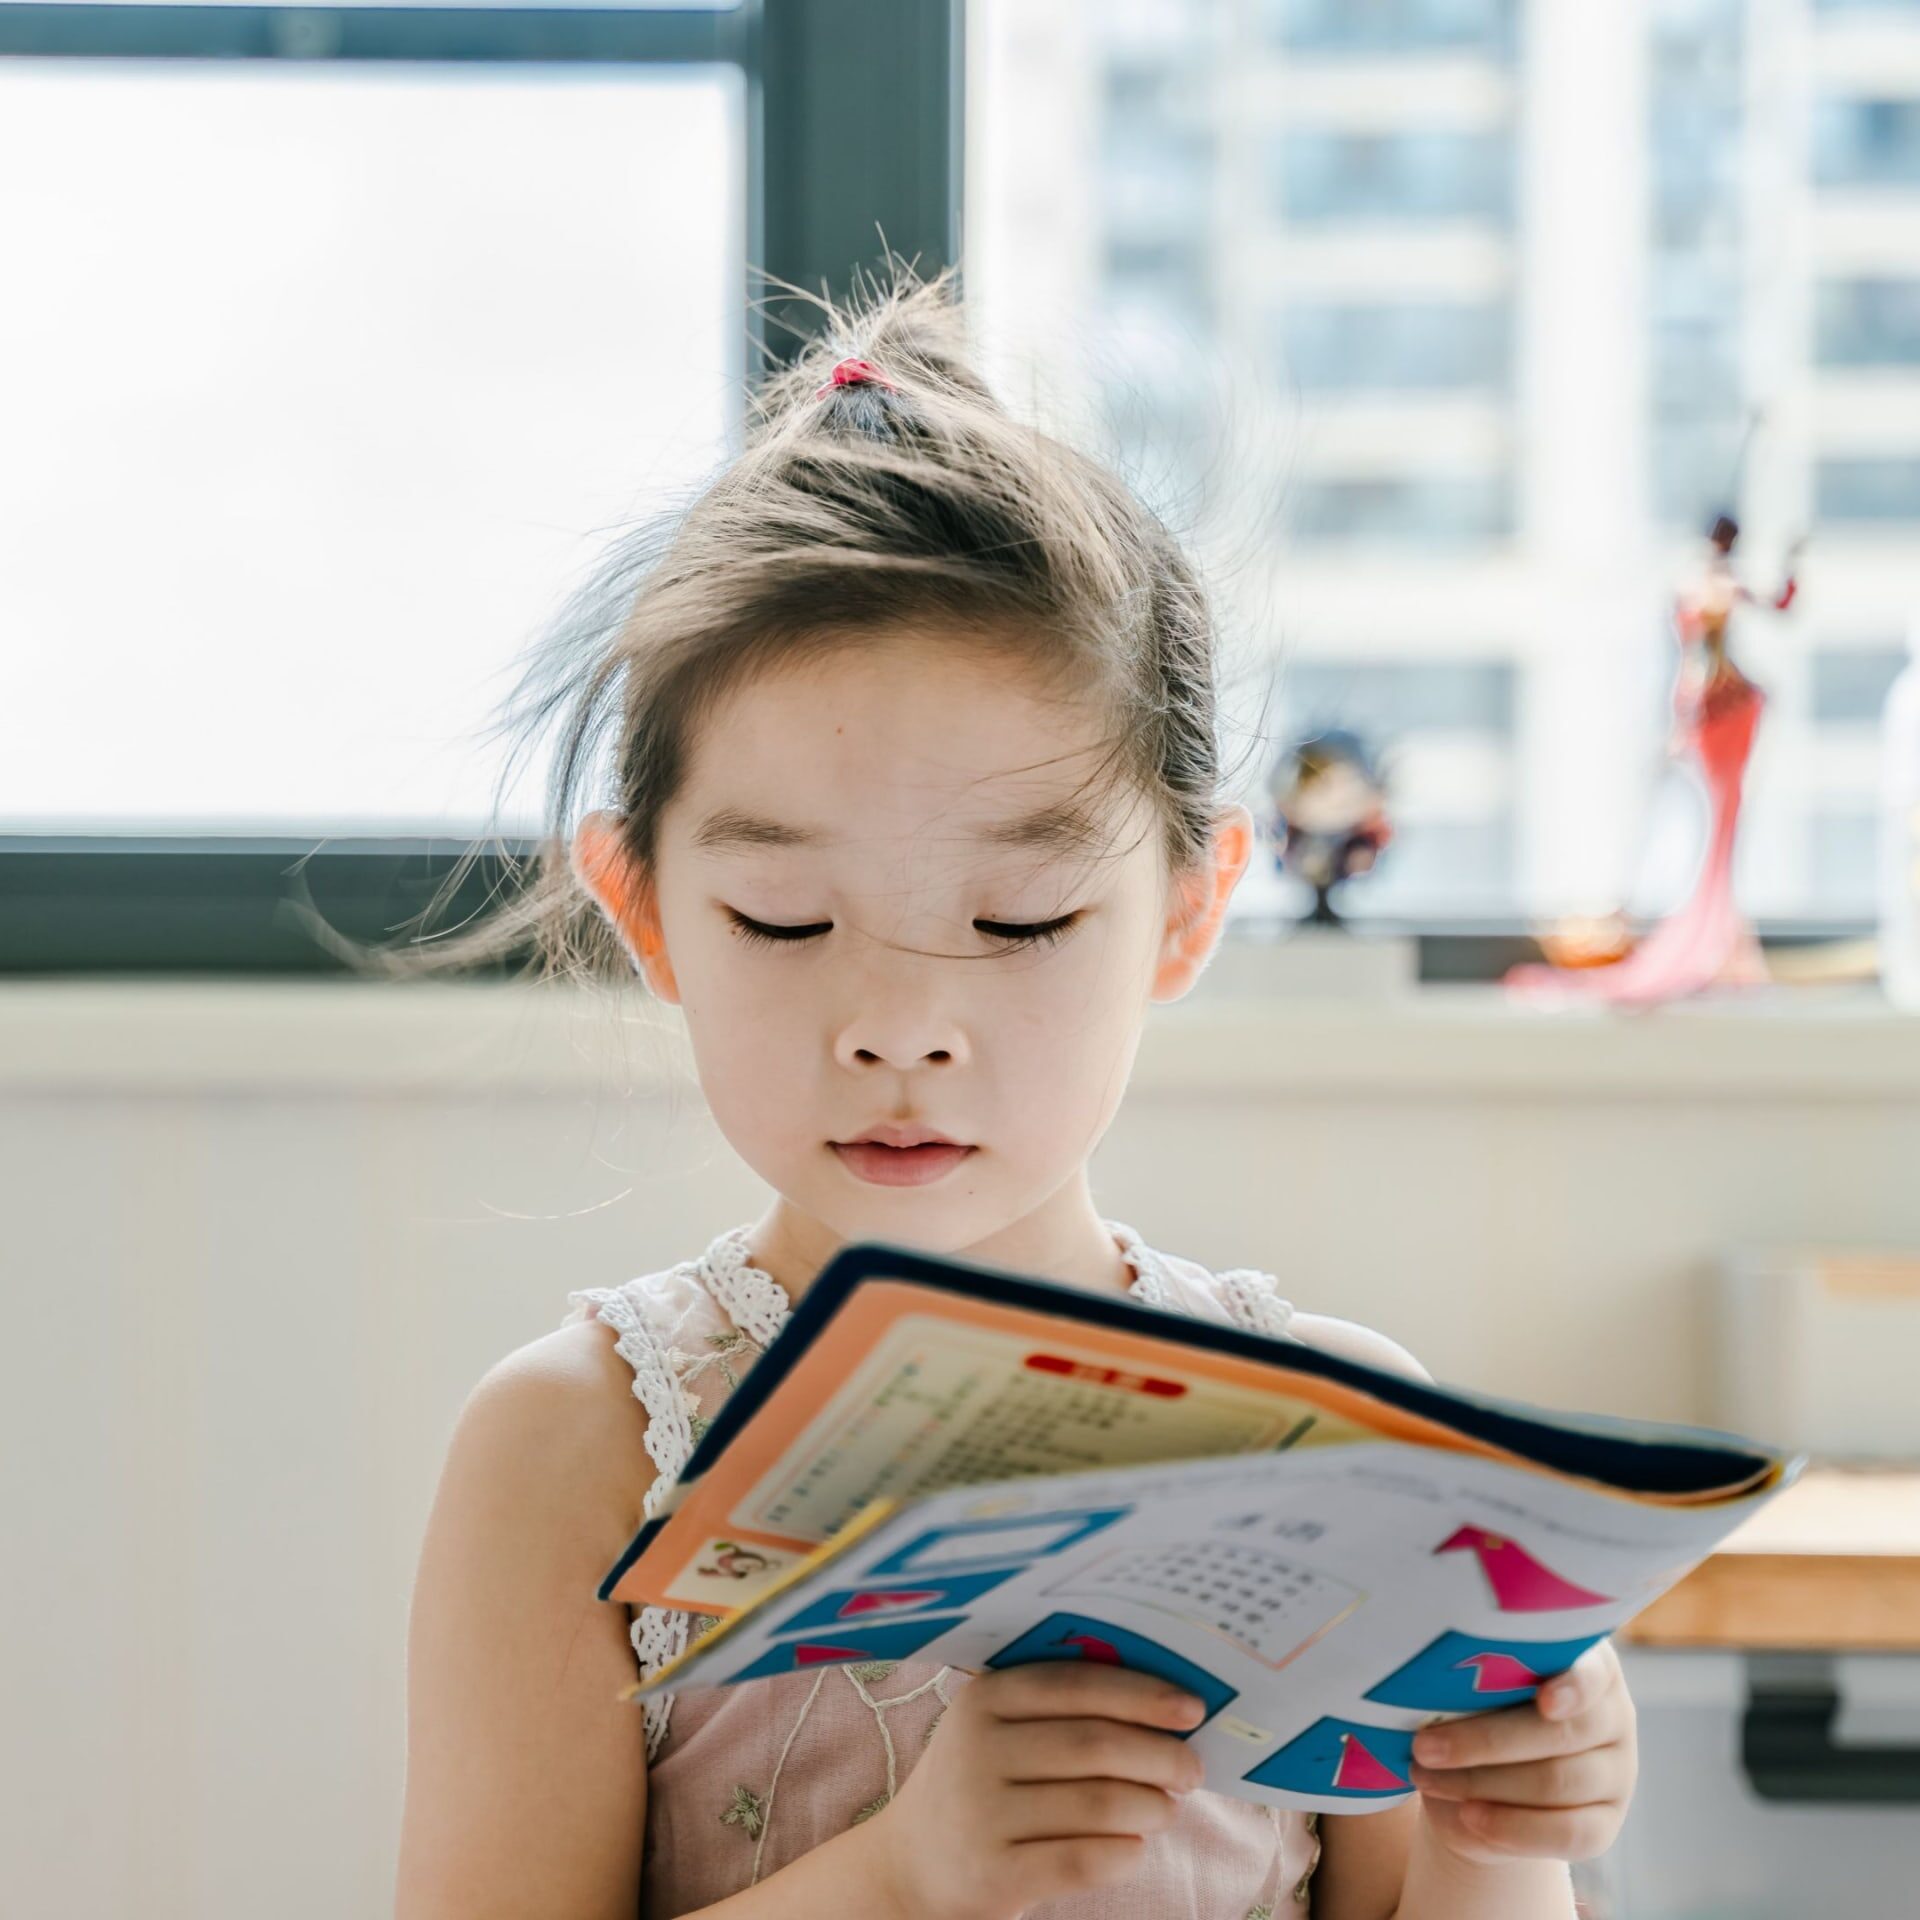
(1062,827)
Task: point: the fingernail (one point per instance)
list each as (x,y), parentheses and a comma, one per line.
(1556,1700)
(1190,1709)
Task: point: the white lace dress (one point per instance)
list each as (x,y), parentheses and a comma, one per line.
(742,1780)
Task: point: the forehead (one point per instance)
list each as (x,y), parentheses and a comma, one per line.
(867,744)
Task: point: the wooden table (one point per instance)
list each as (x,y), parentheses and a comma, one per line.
(1829,1567)
(1832,1564)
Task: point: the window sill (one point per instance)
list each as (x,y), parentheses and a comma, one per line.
(335,1035)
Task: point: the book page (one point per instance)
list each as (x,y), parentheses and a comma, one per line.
(907,1392)
(1326,1604)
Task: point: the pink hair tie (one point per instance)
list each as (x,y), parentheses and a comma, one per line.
(855,373)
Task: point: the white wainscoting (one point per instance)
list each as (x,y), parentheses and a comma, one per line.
(261,1239)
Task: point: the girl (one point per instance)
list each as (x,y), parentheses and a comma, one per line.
(915,809)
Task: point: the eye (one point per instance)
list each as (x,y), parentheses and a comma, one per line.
(1047,933)
(756,935)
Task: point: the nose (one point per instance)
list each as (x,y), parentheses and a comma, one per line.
(869,1040)
(902,1024)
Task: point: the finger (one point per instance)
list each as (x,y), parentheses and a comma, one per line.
(1584,1684)
(1561,1780)
(1097,1748)
(1557,1833)
(1066,1809)
(1059,1689)
(1511,1734)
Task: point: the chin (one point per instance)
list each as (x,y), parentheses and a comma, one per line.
(904,1217)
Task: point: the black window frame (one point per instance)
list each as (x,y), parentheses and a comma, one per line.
(854,132)
(854,123)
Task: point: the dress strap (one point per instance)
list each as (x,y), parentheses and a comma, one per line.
(656,1384)
(1253,1299)
(658,1634)
(1249,1297)
(1153,1285)
(749,1296)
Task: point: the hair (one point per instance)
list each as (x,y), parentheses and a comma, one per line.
(847,513)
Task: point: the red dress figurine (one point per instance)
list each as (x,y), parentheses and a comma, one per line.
(1707,941)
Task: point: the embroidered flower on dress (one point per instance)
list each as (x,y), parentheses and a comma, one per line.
(748,1812)
(723,1344)
(870,1809)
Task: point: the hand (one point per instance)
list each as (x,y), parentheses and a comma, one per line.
(1546,1779)
(1039,1781)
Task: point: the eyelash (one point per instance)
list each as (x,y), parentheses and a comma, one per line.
(1048,933)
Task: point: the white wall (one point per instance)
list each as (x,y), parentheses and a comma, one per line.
(261,1239)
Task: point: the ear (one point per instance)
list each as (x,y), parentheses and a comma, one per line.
(603,866)
(1200,907)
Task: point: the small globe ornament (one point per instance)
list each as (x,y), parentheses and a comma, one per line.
(1329,815)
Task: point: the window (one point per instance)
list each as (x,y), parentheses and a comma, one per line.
(1432,511)
(1867,143)
(1850,684)
(1697,264)
(359,335)
(1868,323)
(1869,492)
(1393,26)
(1406,346)
(1443,733)
(314,439)
(1337,347)
(1420,174)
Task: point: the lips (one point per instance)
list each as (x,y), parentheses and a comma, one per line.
(888,1135)
(912,1166)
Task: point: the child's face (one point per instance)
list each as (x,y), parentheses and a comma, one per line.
(900,757)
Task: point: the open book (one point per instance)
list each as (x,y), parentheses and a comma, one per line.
(945,1462)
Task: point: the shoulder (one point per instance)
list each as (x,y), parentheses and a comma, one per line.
(666,1309)
(561,1409)
(522,1775)
(1351,1341)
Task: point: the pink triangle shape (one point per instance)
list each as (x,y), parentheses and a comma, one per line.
(1092,1647)
(814,1653)
(1498,1672)
(1521,1584)
(1359,1769)
(879,1602)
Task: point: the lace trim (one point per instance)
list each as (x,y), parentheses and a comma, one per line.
(659,1634)
(1152,1284)
(750,1297)
(1253,1298)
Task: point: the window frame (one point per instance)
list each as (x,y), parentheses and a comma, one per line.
(853,131)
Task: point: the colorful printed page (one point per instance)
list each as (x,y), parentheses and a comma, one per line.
(1326,1602)
(901,1375)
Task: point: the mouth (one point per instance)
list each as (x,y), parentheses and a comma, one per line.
(881,1165)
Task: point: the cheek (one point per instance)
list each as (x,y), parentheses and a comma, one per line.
(743,1015)
(1063,1031)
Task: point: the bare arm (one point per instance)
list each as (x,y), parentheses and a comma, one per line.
(526,1787)
(526,1782)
